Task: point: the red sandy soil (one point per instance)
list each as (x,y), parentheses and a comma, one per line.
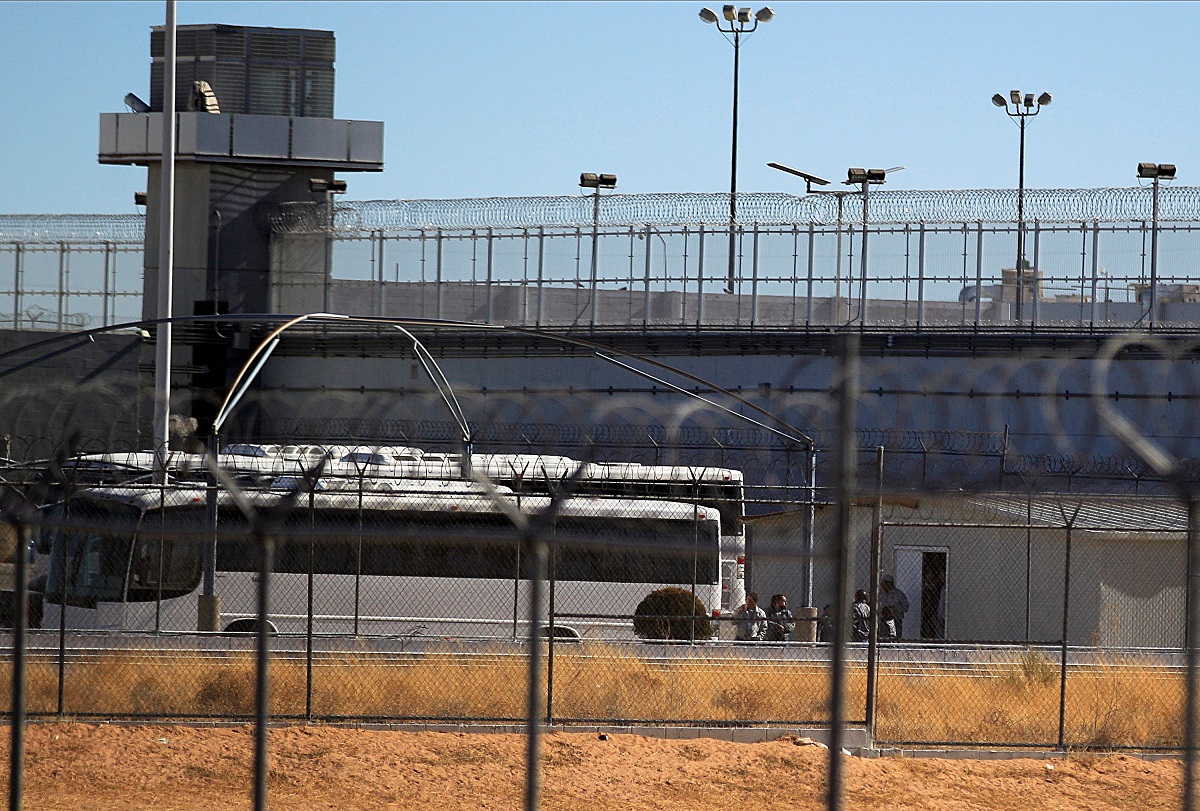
(109,766)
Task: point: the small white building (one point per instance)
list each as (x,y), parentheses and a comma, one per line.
(993,568)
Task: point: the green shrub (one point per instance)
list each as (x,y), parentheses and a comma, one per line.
(672,613)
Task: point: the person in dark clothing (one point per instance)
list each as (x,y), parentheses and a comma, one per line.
(825,624)
(780,620)
(860,618)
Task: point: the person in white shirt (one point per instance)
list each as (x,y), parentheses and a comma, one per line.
(752,620)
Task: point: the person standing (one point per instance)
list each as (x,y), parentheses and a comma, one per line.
(825,624)
(860,617)
(895,599)
(780,621)
(751,620)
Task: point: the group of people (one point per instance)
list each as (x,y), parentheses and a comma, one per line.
(893,605)
(777,623)
(756,625)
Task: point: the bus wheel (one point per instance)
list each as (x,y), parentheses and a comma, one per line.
(248,626)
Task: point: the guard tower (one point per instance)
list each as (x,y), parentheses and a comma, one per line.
(255,128)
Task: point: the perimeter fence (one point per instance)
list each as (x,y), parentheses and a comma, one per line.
(1094,259)
(566,572)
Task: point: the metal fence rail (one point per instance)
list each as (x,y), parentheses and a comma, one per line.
(937,259)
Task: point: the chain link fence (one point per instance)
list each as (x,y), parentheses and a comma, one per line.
(592,565)
(1093,259)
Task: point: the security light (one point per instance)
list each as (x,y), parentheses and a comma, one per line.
(729,13)
(1044,99)
(319,185)
(139,198)
(743,15)
(1015,95)
(1028,99)
(708,15)
(591,180)
(1160,171)
(998,100)
(856,175)
(765,14)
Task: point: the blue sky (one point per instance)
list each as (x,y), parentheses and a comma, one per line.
(500,99)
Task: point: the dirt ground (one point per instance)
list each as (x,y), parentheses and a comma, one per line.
(107,766)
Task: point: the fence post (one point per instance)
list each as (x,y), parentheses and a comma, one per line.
(847,411)
(876,556)
(754,282)
(699,279)
(1066,615)
(1193,653)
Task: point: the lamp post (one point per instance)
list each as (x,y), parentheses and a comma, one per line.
(1020,108)
(1154,172)
(809,181)
(591,180)
(740,22)
(329,188)
(865,179)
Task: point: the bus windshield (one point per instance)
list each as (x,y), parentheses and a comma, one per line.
(111,553)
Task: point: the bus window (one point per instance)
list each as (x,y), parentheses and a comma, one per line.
(96,557)
(177,560)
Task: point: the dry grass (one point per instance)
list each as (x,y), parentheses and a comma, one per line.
(1119,704)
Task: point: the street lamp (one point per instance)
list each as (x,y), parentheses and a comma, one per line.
(865,179)
(1021,107)
(319,185)
(591,180)
(740,22)
(1154,172)
(809,181)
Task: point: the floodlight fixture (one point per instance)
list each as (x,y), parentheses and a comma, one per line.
(1024,106)
(737,21)
(856,176)
(319,185)
(135,104)
(592,180)
(1156,171)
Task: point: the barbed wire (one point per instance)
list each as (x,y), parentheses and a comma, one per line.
(1176,204)
(117,229)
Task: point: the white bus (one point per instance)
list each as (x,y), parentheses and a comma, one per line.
(417,558)
(256,465)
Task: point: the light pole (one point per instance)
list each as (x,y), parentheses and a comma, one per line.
(1021,108)
(1154,172)
(866,178)
(740,22)
(591,180)
(809,180)
(329,188)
